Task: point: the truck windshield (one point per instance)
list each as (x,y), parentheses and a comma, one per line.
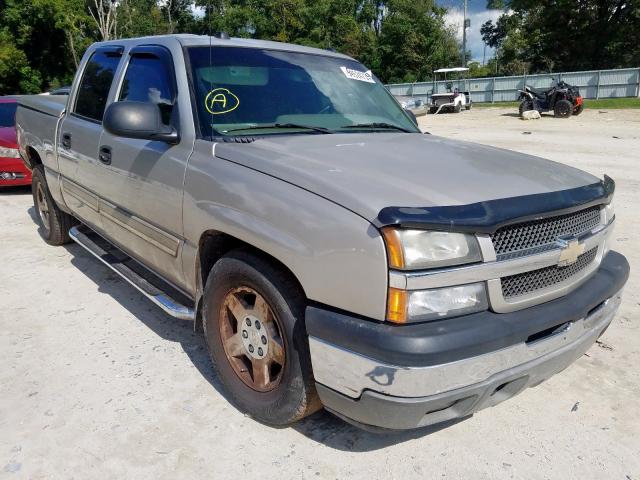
(246,91)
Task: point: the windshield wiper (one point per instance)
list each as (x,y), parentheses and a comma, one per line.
(282,125)
(387,126)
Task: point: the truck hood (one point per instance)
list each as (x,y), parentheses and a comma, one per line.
(370,171)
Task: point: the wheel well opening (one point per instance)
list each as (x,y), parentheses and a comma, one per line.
(213,246)
(33,157)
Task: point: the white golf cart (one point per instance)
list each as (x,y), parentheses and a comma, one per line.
(455,99)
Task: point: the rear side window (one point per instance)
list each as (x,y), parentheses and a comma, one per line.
(149,79)
(95,85)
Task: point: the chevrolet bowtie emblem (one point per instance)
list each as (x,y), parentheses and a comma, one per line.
(571,250)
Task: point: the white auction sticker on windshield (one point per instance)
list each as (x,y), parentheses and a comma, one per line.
(357,75)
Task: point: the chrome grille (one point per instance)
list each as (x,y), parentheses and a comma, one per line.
(528,282)
(536,233)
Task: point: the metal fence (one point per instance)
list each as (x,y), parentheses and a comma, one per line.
(593,84)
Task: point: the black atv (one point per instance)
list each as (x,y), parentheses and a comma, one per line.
(563,99)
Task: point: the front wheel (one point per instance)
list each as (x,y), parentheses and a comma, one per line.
(563,108)
(54,223)
(525,106)
(254,327)
(457,107)
(578,110)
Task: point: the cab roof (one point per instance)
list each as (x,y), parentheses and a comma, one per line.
(189,40)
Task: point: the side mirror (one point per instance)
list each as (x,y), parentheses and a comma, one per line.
(412,116)
(138,120)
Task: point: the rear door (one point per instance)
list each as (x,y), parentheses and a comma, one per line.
(80,132)
(142,180)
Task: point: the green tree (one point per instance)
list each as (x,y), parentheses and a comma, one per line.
(16,76)
(566,34)
(414,41)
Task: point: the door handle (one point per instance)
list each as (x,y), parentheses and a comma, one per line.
(66,140)
(105,155)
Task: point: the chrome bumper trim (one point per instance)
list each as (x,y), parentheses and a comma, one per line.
(351,373)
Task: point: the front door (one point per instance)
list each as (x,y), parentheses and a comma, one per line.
(142,183)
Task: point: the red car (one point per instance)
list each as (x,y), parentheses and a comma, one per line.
(12,169)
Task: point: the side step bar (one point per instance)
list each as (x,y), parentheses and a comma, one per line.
(146,282)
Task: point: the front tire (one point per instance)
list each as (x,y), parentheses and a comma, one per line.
(253,319)
(525,105)
(54,223)
(578,110)
(563,108)
(457,107)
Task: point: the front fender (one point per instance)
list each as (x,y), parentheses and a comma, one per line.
(337,256)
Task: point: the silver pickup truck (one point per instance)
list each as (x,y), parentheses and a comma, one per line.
(281,199)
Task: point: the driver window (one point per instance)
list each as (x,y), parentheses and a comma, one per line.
(148,79)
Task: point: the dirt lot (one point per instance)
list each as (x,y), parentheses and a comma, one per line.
(95,382)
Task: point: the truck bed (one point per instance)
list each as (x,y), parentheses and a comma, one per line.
(50,104)
(36,125)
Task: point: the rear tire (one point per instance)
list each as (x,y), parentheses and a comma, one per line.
(563,109)
(54,223)
(578,110)
(457,108)
(240,286)
(433,110)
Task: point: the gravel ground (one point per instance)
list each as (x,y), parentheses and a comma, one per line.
(95,382)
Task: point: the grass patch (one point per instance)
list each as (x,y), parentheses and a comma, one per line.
(613,103)
(602,103)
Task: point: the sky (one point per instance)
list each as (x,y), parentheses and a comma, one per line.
(478,14)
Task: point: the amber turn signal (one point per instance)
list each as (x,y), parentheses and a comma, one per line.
(394,247)
(397,305)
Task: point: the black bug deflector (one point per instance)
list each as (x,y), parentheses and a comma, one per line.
(487,217)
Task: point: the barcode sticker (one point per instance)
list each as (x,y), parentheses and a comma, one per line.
(357,75)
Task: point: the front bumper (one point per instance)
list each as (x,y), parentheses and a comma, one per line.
(401,377)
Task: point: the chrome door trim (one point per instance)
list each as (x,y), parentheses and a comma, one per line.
(141,228)
(160,239)
(81,194)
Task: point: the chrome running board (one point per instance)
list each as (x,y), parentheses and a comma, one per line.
(146,282)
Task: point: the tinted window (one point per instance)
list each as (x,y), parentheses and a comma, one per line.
(240,88)
(8,114)
(148,79)
(96,82)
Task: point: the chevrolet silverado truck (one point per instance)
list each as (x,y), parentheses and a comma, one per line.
(331,253)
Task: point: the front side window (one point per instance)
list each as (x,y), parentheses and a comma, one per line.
(243,90)
(95,85)
(149,79)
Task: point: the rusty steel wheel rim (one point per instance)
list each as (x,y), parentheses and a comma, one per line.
(252,339)
(43,206)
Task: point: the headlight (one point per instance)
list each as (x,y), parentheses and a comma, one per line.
(422,305)
(9,152)
(417,249)
(609,212)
